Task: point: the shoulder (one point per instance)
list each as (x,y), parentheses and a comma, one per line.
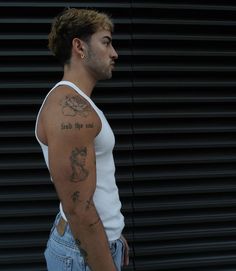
(67,113)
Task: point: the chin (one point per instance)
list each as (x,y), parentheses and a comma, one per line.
(106,76)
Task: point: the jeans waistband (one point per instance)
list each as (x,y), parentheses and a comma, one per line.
(62,234)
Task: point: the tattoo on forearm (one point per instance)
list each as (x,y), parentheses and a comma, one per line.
(75,196)
(73,105)
(95,223)
(82,251)
(89,203)
(77,159)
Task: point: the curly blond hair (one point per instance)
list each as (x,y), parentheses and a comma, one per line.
(75,23)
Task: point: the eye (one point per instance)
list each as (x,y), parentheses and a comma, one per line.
(106,43)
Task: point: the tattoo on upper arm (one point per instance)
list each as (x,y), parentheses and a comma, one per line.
(67,126)
(77,159)
(73,105)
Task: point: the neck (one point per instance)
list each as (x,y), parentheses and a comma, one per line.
(80,78)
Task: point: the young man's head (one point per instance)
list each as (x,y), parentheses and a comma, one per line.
(80,25)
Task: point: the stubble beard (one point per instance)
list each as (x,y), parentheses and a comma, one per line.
(99,69)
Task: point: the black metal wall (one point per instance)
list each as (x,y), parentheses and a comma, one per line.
(171,103)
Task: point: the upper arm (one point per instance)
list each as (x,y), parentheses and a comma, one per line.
(71,126)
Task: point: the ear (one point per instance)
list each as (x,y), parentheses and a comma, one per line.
(78,46)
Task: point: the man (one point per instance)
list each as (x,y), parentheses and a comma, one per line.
(77,144)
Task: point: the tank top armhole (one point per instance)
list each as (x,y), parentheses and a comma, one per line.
(37,118)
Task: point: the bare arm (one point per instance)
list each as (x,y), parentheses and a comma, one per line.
(70,127)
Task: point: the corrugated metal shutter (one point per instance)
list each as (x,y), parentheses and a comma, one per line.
(184,135)
(171,103)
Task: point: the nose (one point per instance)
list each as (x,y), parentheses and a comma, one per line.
(114,54)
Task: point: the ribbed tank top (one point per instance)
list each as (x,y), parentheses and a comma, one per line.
(106,197)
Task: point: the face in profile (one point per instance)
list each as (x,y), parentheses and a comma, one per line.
(101,56)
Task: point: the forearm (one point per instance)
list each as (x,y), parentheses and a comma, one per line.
(91,239)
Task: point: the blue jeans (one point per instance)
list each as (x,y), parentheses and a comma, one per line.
(62,253)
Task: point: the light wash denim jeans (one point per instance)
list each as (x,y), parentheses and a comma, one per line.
(62,253)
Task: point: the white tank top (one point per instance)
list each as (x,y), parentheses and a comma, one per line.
(106,197)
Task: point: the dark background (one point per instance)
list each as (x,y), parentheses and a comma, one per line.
(172,105)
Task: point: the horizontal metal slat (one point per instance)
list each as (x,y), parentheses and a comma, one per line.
(20,226)
(21,257)
(181,6)
(150,158)
(174,233)
(182,144)
(188,22)
(182,173)
(148,205)
(182,83)
(181,130)
(25,267)
(184,189)
(187,262)
(172,37)
(35,4)
(24,241)
(183,100)
(27,211)
(185,115)
(178,52)
(143,219)
(30,196)
(207,246)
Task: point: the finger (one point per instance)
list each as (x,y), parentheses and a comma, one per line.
(126,251)
(126,260)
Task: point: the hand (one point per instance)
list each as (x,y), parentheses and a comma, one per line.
(126,251)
